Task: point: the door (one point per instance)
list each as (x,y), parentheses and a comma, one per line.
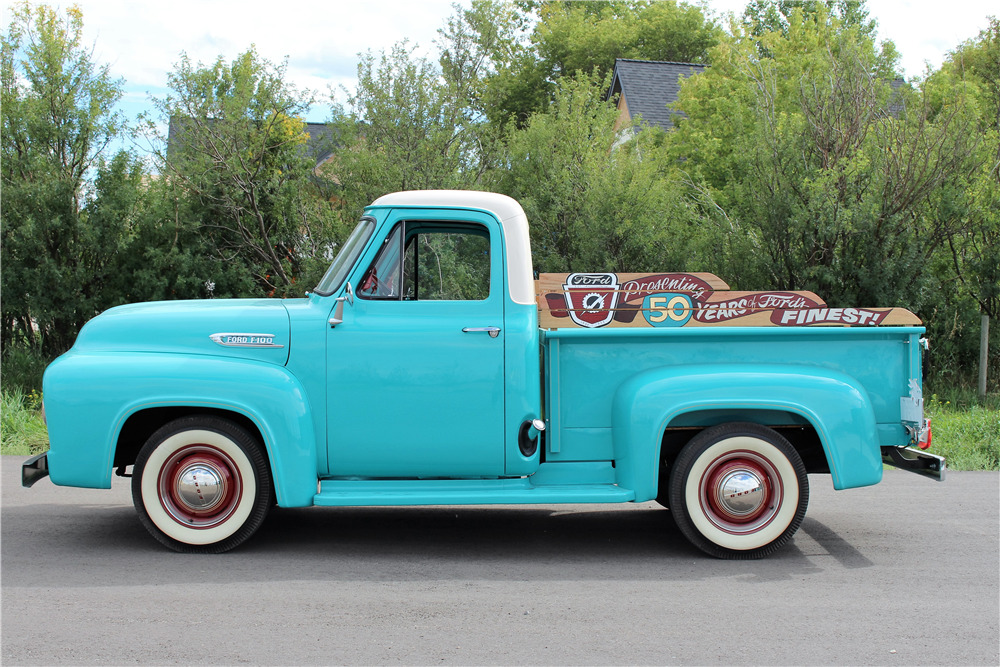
(416,369)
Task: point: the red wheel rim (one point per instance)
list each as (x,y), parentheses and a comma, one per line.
(199,486)
(740,492)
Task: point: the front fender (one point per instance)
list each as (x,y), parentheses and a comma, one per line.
(834,404)
(89,397)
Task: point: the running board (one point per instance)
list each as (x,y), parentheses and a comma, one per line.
(343,493)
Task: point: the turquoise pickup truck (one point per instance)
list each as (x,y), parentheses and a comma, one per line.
(429,367)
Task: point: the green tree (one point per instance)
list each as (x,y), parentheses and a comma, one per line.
(972,262)
(828,166)
(235,145)
(167,257)
(976,252)
(593,205)
(401,130)
(416,124)
(764,16)
(571,37)
(588,36)
(58,118)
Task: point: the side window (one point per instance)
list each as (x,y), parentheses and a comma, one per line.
(447,265)
(440,262)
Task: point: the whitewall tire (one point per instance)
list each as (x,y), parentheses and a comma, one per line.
(738,491)
(201,484)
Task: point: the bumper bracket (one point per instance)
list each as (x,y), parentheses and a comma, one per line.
(34,469)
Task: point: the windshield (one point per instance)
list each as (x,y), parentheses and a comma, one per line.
(345,259)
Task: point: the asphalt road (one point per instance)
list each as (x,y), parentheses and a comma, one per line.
(902,573)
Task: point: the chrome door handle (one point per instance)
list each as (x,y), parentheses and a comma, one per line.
(492,331)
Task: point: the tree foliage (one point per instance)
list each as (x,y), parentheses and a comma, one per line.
(974,70)
(57,120)
(764,16)
(415,124)
(571,37)
(802,162)
(588,36)
(235,146)
(831,167)
(594,206)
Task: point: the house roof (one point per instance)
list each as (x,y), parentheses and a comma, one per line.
(896,104)
(319,146)
(321,142)
(648,86)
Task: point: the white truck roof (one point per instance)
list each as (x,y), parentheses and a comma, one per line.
(520,277)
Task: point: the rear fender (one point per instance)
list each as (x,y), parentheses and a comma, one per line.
(89,397)
(833,403)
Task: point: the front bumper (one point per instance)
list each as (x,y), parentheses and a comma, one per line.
(34,469)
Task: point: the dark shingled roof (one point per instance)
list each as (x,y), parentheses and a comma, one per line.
(896,105)
(649,86)
(322,142)
(319,146)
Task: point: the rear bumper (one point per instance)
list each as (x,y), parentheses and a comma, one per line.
(34,469)
(914,460)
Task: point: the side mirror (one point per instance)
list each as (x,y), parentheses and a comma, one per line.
(338,312)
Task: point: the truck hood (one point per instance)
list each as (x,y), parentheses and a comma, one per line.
(241,328)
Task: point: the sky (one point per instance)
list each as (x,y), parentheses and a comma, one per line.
(321,39)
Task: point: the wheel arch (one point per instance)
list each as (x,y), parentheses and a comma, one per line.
(800,432)
(141,392)
(828,414)
(293,475)
(143,423)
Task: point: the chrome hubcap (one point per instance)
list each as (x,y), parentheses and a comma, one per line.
(740,493)
(200,487)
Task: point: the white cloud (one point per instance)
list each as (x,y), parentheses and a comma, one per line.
(924,31)
(142,40)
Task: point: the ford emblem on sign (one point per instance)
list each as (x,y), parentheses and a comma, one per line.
(591,298)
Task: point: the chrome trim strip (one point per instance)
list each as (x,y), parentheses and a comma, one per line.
(258,340)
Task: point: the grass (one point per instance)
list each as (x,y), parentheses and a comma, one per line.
(22,431)
(966,429)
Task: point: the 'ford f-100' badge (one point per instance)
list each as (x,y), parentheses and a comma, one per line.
(245,339)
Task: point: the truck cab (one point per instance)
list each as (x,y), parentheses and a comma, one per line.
(438,348)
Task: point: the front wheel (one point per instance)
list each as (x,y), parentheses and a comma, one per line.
(201,484)
(738,491)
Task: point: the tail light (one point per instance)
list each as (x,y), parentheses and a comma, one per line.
(924,439)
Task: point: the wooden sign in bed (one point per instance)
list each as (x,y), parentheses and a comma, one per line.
(595,300)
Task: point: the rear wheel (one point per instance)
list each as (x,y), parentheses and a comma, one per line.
(738,491)
(201,484)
